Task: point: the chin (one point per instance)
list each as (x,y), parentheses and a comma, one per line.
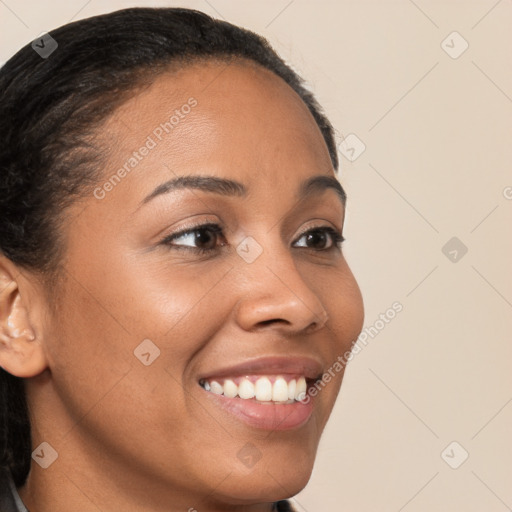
(276,476)
(243,490)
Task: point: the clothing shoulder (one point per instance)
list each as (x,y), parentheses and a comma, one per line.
(284,506)
(9,499)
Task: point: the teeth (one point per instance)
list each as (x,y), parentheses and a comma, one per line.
(216,388)
(302,387)
(280,390)
(292,385)
(262,390)
(230,389)
(246,389)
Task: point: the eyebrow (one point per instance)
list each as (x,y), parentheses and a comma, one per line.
(227,187)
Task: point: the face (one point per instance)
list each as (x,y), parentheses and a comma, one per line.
(201,287)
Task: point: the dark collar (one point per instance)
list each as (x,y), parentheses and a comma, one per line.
(283,506)
(9,499)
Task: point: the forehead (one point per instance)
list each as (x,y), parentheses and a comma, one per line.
(240,108)
(236,120)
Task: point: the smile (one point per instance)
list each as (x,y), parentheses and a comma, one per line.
(260,388)
(268,402)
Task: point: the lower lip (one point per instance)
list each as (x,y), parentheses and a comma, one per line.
(268,415)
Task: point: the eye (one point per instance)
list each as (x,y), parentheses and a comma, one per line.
(203,238)
(207,238)
(320,239)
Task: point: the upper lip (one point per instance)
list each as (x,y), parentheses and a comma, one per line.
(274,365)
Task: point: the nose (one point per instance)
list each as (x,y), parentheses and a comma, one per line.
(276,296)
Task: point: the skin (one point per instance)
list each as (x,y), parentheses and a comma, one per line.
(133,437)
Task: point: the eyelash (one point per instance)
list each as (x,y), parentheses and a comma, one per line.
(336,237)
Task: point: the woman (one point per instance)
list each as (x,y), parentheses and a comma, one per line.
(172,284)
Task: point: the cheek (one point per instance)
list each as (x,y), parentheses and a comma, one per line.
(157,297)
(86,348)
(108,391)
(341,296)
(106,318)
(348,317)
(344,303)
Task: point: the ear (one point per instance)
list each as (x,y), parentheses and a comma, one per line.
(21,352)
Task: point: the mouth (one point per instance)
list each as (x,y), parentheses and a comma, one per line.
(269,394)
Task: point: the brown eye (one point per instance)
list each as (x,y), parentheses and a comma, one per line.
(203,238)
(320,239)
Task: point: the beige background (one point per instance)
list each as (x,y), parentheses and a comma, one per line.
(437,165)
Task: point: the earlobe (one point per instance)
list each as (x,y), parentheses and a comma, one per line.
(21,352)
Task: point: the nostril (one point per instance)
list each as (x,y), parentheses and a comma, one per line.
(312,327)
(316,325)
(273,320)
